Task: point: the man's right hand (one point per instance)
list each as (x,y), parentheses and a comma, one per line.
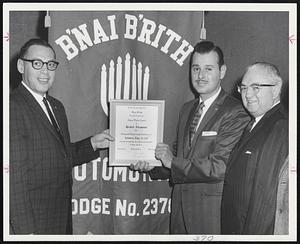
(141,166)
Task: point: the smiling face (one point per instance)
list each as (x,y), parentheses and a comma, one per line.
(39,81)
(258,103)
(206,74)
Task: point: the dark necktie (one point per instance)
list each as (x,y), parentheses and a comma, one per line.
(53,121)
(248,128)
(193,126)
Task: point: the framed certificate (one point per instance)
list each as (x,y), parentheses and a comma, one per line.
(137,126)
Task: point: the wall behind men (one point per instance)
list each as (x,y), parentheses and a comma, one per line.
(248,37)
(23,25)
(245,37)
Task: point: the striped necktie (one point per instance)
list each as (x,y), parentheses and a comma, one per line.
(194,124)
(53,121)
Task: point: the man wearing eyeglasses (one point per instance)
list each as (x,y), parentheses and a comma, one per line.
(41,154)
(250,186)
(208,129)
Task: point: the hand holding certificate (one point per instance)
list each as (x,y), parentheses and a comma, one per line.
(137,126)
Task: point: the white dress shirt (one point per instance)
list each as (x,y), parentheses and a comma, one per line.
(257,119)
(39,99)
(207,103)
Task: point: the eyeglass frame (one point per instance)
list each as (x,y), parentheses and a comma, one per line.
(255,87)
(32,60)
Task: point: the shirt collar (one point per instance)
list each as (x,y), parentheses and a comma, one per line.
(210,100)
(37,96)
(259,117)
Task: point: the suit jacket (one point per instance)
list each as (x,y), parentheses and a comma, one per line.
(41,166)
(281,226)
(197,172)
(249,198)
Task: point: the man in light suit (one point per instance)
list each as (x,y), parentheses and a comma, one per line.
(41,154)
(281,225)
(251,180)
(196,167)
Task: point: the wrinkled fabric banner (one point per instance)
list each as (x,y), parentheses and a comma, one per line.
(122,55)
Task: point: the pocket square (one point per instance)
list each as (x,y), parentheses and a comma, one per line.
(209,133)
(248,152)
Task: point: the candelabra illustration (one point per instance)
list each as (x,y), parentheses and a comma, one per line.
(127,77)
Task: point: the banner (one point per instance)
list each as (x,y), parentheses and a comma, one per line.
(107,55)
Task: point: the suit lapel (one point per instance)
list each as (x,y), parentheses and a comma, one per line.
(240,147)
(58,117)
(213,109)
(34,105)
(258,127)
(187,125)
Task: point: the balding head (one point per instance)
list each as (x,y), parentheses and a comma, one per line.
(260,88)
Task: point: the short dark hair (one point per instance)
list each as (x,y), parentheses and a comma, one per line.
(206,47)
(32,42)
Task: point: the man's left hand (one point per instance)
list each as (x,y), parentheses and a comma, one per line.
(164,154)
(101,140)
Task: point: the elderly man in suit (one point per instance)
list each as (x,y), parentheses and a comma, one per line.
(251,180)
(208,129)
(41,154)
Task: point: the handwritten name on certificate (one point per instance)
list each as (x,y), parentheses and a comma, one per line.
(137,127)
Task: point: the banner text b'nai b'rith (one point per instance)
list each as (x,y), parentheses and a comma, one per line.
(107,55)
(84,39)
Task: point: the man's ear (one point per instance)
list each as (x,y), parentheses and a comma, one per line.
(276,91)
(223,71)
(20,66)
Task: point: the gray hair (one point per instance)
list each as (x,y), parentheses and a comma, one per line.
(271,69)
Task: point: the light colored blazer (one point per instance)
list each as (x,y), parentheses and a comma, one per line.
(282,203)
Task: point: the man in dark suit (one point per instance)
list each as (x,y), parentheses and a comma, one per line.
(208,129)
(41,154)
(249,197)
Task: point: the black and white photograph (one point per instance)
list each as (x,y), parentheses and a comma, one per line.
(149,122)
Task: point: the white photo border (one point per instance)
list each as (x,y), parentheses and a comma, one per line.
(290,7)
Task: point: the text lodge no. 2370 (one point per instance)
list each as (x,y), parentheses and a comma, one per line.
(122,207)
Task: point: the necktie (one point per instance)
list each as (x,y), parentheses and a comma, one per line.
(193,126)
(248,128)
(53,121)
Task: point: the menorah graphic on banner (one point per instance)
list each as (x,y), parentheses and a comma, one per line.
(134,77)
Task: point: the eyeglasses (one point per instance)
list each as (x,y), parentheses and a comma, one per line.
(255,88)
(38,64)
